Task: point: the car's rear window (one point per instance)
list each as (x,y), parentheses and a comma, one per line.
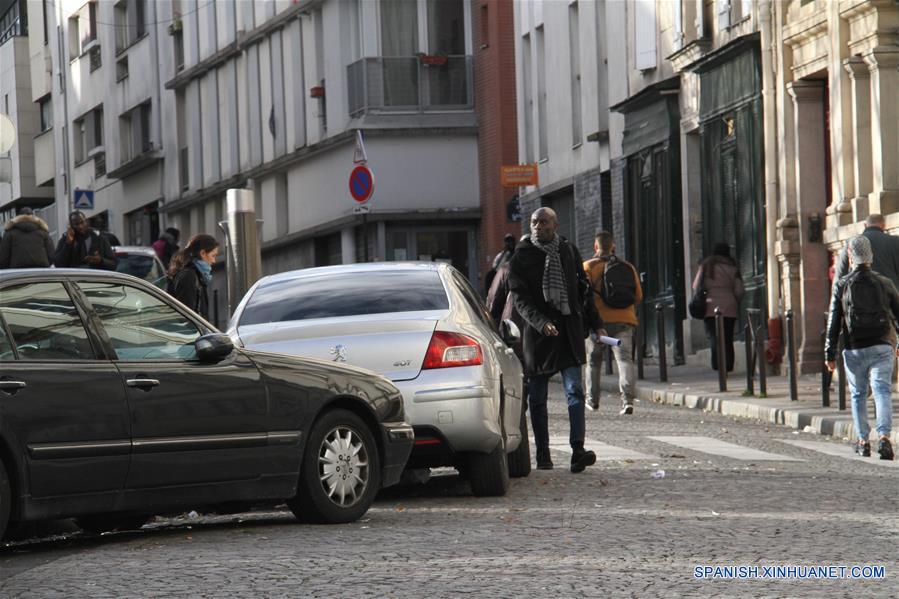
(142,267)
(345,294)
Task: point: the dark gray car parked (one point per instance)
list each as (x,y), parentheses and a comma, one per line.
(117,403)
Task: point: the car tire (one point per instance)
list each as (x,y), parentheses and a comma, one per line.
(5,500)
(323,493)
(108,522)
(489,472)
(520,459)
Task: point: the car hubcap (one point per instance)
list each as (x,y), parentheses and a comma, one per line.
(343,466)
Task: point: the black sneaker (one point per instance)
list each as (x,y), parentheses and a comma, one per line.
(626,409)
(544,462)
(886,449)
(863,448)
(593,404)
(580,459)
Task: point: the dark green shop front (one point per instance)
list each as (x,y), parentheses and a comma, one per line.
(653,215)
(730,129)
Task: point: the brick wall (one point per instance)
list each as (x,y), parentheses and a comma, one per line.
(587,209)
(494,79)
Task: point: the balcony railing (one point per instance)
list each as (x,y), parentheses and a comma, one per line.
(410,84)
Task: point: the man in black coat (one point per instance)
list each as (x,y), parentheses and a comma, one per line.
(552,295)
(83,247)
(26,243)
(885,247)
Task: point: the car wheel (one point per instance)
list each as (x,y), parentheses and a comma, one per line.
(5,500)
(489,472)
(520,459)
(341,471)
(109,522)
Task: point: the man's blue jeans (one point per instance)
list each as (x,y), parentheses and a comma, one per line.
(874,364)
(574,391)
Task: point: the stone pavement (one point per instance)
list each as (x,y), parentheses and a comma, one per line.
(697,387)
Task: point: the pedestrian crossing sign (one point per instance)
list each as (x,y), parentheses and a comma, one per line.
(84,199)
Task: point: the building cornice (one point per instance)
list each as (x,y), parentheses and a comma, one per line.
(724,53)
(647,95)
(690,54)
(807,29)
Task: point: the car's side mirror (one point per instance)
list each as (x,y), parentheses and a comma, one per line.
(213,347)
(509,332)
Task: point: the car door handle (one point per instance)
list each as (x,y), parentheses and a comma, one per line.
(499,344)
(12,387)
(144,384)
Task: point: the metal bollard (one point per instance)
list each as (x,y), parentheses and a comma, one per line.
(721,350)
(761,336)
(791,357)
(750,365)
(826,376)
(640,349)
(215,308)
(660,337)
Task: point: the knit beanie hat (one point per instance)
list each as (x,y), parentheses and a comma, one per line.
(860,251)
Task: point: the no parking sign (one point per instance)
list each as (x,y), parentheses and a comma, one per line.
(362,183)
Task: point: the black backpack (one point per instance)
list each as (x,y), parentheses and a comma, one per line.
(618,286)
(864,308)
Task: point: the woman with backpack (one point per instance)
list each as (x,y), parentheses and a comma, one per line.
(190,273)
(719,276)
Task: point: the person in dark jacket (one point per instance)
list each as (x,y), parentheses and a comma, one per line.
(719,275)
(870,352)
(884,246)
(83,247)
(26,243)
(551,293)
(501,258)
(190,273)
(167,244)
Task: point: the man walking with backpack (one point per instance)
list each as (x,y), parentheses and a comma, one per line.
(865,308)
(616,292)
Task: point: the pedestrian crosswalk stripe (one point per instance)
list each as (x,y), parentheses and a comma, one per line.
(724,449)
(604,451)
(841,451)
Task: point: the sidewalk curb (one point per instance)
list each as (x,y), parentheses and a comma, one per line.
(823,421)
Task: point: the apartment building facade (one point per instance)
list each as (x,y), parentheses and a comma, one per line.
(563,118)
(22,182)
(160,107)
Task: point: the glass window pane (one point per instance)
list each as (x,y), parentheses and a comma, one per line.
(446,27)
(345,294)
(44,323)
(473,299)
(6,352)
(399,28)
(139,325)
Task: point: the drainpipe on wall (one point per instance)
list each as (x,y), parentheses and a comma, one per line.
(769,120)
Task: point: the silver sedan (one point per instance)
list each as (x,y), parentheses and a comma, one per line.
(423,326)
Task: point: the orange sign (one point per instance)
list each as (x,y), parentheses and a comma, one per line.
(518,175)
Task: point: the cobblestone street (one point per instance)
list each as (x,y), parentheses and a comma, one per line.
(619,529)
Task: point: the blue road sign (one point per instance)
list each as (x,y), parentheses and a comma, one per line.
(84,199)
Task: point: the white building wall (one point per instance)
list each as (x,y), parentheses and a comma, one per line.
(566,158)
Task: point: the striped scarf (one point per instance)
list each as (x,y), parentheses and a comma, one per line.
(555,292)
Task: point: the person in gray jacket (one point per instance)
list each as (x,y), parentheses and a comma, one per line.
(26,242)
(885,247)
(721,278)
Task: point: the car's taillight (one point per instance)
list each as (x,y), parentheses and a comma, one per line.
(447,350)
